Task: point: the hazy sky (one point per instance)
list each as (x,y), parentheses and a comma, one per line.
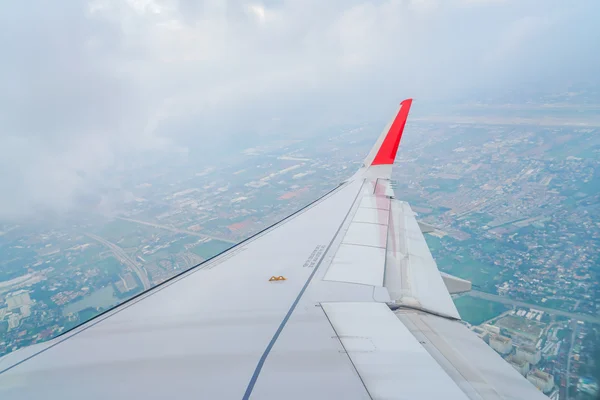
(88,85)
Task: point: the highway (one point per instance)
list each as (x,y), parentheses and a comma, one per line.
(125,259)
(570,356)
(169,228)
(506,300)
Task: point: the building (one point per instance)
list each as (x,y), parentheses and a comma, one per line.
(501,344)
(13,321)
(25,311)
(17,299)
(541,380)
(530,354)
(491,328)
(588,386)
(482,333)
(520,365)
(555,395)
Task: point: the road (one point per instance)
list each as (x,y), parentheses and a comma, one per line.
(125,259)
(570,356)
(169,228)
(506,300)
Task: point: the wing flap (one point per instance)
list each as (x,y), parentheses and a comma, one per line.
(389,359)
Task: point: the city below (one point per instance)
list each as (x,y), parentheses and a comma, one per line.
(514,202)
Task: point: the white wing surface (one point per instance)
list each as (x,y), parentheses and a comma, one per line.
(363,313)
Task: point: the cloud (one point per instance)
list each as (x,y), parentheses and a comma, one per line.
(88,87)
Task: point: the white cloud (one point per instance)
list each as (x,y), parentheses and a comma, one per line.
(85,88)
(518,36)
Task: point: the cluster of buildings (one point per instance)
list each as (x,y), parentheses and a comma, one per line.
(550,354)
(517,212)
(519,206)
(511,200)
(17,306)
(525,358)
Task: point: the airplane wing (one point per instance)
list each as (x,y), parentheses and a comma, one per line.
(341,299)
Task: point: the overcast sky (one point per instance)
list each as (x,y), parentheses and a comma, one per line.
(86,85)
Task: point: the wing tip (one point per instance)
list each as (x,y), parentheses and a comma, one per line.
(389,147)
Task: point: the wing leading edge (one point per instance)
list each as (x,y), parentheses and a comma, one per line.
(363,313)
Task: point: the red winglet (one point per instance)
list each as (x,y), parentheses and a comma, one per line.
(389,147)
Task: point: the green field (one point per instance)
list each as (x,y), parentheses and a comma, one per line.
(179,246)
(480,274)
(127,233)
(211,248)
(110,266)
(441,185)
(476,311)
(434,243)
(87,314)
(116,229)
(530,329)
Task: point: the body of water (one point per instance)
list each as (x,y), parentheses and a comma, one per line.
(101,298)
